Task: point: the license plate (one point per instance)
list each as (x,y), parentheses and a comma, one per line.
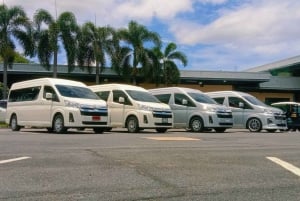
(165,120)
(96,118)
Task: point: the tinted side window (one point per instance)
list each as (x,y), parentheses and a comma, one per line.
(103,94)
(26,94)
(164,98)
(48,89)
(219,100)
(117,94)
(234,102)
(180,97)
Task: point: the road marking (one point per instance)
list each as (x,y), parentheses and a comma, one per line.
(14,159)
(172,138)
(285,165)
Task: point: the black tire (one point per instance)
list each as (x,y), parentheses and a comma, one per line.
(14,123)
(161,130)
(98,130)
(254,125)
(58,124)
(220,130)
(196,124)
(132,124)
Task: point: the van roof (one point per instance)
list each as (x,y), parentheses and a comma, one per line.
(169,89)
(239,93)
(116,86)
(41,81)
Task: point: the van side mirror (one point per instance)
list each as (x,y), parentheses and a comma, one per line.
(49,96)
(121,100)
(184,102)
(241,105)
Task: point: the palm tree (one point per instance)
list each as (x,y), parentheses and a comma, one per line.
(14,26)
(120,57)
(64,28)
(95,42)
(169,57)
(137,35)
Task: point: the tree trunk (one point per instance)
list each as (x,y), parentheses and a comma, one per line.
(4,90)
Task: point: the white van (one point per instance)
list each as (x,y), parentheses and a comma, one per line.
(55,104)
(134,108)
(193,110)
(249,112)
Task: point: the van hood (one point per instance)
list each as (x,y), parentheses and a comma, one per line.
(217,107)
(273,110)
(79,102)
(153,106)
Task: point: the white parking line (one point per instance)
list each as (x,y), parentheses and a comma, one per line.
(14,159)
(285,165)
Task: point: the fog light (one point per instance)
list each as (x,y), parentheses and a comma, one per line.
(145,119)
(71,117)
(269,121)
(210,120)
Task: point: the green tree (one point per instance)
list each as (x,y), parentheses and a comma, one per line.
(120,57)
(137,36)
(14,27)
(48,33)
(168,60)
(94,45)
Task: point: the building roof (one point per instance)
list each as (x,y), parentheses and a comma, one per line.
(285,63)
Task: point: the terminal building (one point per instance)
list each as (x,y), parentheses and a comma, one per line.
(274,82)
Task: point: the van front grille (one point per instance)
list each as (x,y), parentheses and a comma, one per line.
(162,114)
(93,111)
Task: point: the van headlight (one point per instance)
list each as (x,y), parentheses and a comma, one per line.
(267,111)
(72,104)
(145,107)
(212,109)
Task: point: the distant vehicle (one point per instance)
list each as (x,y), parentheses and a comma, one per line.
(134,108)
(3,105)
(55,104)
(193,110)
(292,111)
(249,112)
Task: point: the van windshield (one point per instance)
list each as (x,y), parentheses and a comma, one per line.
(254,101)
(142,96)
(76,92)
(202,98)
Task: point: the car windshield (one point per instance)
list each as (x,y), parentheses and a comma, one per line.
(76,92)
(142,96)
(254,101)
(202,98)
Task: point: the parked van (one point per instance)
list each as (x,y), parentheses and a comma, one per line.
(55,104)
(193,110)
(292,112)
(249,112)
(134,108)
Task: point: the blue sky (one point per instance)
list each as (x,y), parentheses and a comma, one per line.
(216,35)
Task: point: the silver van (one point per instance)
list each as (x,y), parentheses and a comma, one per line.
(193,110)
(249,112)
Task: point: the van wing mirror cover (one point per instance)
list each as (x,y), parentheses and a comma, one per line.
(49,96)
(184,102)
(241,105)
(121,100)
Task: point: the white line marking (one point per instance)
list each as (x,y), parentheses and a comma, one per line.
(172,138)
(14,159)
(285,165)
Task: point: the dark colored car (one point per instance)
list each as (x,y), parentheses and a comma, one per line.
(292,111)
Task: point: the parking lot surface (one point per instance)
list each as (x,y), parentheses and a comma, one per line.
(177,165)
